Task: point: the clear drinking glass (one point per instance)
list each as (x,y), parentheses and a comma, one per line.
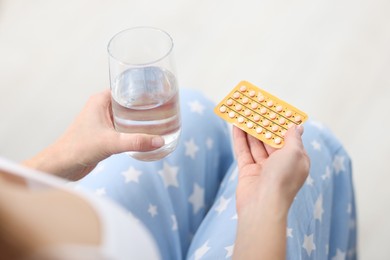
(144,89)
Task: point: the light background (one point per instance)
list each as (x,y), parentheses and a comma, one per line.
(330,58)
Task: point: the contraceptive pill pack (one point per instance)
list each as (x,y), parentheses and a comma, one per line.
(259,113)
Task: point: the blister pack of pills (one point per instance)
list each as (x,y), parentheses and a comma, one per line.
(259,113)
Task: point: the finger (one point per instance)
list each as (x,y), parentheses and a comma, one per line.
(294,137)
(241,147)
(295,130)
(257,149)
(269,149)
(136,142)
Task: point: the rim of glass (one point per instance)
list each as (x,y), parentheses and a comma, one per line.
(136,28)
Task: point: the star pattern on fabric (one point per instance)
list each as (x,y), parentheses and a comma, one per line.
(338,164)
(289,232)
(318,209)
(309,180)
(209,143)
(196,107)
(174,222)
(340,255)
(316,145)
(191,148)
(169,175)
(152,210)
(100,191)
(222,206)
(201,251)
(327,173)
(197,198)
(308,244)
(131,175)
(229,251)
(235,216)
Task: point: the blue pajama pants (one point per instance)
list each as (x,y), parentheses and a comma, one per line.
(187,200)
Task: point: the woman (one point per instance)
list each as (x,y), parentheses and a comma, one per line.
(196,203)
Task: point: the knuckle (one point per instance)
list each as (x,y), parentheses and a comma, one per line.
(138,143)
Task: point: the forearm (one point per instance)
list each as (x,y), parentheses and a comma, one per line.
(56,160)
(261,230)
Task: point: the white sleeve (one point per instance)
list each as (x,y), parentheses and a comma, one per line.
(123,237)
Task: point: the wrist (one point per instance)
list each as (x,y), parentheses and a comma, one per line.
(50,160)
(270,202)
(261,228)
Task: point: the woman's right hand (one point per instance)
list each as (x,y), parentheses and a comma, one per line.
(268,172)
(268,181)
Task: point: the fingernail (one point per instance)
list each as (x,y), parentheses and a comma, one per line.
(157,141)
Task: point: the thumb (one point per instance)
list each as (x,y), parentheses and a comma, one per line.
(294,137)
(137,142)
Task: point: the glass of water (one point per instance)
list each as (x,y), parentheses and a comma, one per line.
(145,94)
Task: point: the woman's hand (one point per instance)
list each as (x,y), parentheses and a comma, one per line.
(268,181)
(90,139)
(265,171)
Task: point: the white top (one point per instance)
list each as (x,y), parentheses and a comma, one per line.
(123,237)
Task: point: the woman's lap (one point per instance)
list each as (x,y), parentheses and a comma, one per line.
(171,196)
(321,221)
(187,209)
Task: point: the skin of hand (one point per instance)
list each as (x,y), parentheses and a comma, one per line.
(90,139)
(268,181)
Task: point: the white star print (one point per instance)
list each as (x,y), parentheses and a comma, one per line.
(309,180)
(223,203)
(340,255)
(201,251)
(174,222)
(235,216)
(318,209)
(152,210)
(191,148)
(197,198)
(338,164)
(169,175)
(100,191)
(308,244)
(131,174)
(196,107)
(316,145)
(327,173)
(289,232)
(229,250)
(209,143)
